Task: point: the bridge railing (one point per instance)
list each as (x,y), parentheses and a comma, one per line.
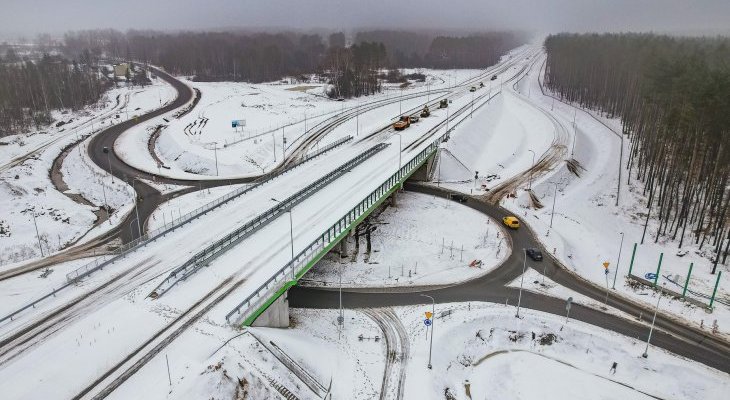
(222,245)
(255,304)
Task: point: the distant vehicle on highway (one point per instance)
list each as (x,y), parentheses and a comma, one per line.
(535,254)
(481,84)
(473,89)
(443,103)
(494,78)
(403,123)
(414,119)
(511,222)
(426,112)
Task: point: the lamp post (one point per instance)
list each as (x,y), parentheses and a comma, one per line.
(215,153)
(433,319)
(109,160)
(291,235)
(38,236)
(522,280)
(136,210)
(651,330)
(400,151)
(555,196)
(621,246)
(529,187)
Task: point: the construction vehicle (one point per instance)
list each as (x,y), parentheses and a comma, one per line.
(403,123)
(426,112)
(443,103)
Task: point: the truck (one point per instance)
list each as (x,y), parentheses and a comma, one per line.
(403,123)
(443,103)
(426,112)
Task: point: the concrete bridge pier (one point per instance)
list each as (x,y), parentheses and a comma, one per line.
(423,173)
(344,245)
(277,315)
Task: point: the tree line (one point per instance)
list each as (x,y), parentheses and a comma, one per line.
(673,97)
(30,90)
(352,69)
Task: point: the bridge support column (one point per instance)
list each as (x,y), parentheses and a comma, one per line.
(394,198)
(277,315)
(344,246)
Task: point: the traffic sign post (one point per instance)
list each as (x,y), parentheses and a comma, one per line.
(430,322)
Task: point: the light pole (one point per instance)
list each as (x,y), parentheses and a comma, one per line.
(529,187)
(37,234)
(341,317)
(136,210)
(273,143)
(400,150)
(109,160)
(471,113)
(651,330)
(522,280)
(106,204)
(555,196)
(400,102)
(215,153)
(291,235)
(433,319)
(620,247)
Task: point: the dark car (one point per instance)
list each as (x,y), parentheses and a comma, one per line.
(535,254)
(458,197)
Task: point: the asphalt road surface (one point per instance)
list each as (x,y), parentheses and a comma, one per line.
(668,333)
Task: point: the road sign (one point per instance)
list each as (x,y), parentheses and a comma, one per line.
(427,322)
(238,122)
(605,264)
(650,276)
(429,314)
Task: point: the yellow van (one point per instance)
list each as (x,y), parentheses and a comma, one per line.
(511,222)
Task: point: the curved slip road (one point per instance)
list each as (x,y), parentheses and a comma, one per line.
(670,334)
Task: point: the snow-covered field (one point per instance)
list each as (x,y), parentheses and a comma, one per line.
(587,225)
(203,145)
(415,245)
(26,188)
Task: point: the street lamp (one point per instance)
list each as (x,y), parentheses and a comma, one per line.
(108,157)
(522,279)
(215,153)
(136,210)
(620,247)
(433,318)
(651,330)
(291,235)
(529,187)
(555,196)
(400,151)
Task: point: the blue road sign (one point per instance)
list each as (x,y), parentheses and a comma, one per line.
(427,322)
(650,276)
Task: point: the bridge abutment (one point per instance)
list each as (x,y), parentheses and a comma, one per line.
(277,315)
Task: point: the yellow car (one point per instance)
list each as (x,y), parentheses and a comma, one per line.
(511,222)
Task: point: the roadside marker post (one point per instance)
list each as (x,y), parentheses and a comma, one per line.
(686,282)
(714,291)
(658,268)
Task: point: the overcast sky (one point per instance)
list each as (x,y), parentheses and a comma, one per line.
(28,17)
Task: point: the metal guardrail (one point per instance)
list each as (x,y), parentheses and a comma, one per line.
(222,245)
(102,261)
(256,303)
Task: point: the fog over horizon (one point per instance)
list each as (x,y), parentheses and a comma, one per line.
(30,17)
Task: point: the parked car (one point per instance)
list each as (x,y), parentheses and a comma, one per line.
(535,254)
(511,222)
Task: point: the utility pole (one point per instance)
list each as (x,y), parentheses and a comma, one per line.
(37,234)
(291,237)
(106,204)
(400,151)
(108,158)
(136,210)
(273,143)
(522,280)
(620,162)
(620,247)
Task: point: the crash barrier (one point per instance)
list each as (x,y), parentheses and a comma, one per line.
(222,245)
(104,260)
